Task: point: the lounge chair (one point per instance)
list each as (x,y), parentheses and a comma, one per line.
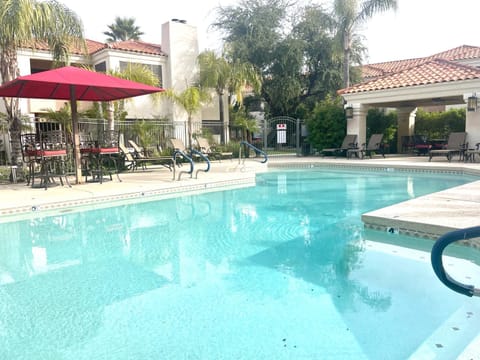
(457,144)
(130,161)
(374,145)
(142,160)
(349,142)
(212,152)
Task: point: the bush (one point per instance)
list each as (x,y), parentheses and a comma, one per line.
(326,124)
(438,125)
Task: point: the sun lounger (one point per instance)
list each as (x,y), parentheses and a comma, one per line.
(212,152)
(142,160)
(374,145)
(457,144)
(349,142)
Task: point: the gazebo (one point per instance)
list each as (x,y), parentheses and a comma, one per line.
(448,78)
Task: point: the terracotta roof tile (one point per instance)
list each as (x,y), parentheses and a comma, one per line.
(429,72)
(95,46)
(463,52)
(137,46)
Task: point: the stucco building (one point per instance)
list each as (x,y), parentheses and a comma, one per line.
(173,61)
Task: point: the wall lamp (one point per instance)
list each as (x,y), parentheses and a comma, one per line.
(349,112)
(472,103)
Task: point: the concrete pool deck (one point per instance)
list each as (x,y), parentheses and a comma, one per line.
(427,216)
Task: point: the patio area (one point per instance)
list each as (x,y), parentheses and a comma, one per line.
(428,216)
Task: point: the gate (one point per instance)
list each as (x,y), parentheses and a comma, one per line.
(283,136)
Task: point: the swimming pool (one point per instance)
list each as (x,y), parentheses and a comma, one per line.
(283,270)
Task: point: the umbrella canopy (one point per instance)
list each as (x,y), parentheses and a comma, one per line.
(89,86)
(74,84)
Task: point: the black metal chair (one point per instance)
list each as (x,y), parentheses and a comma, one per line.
(100,155)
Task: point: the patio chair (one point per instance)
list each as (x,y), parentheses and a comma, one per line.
(142,159)
(349,142)
(212,152)
(374,145)
(456,145)
(100,155)
(46,156)
(420,145)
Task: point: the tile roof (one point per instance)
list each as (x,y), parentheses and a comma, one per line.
(95,46)
(136,46)
(430,72)
(463,52)
(437,68)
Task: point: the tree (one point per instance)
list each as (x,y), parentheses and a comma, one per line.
(191,100)
(133,72)
(346,17)
(251,29)
(123,29)
(293,48)
(218,73)
(322,66)
(30,22)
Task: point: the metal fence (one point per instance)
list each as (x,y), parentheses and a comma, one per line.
(283,136)
(278,136)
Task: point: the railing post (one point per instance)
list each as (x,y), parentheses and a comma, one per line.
(297,136)
(437,262)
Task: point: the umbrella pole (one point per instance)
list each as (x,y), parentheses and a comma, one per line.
(76,136)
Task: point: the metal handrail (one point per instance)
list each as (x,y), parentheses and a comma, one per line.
(257,150)
(204,157)
(437,263)
(185,156)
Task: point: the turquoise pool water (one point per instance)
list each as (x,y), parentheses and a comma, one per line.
(283,270)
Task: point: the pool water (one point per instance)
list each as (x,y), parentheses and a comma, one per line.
(282,270)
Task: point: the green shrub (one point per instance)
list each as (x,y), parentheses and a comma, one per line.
(327,124)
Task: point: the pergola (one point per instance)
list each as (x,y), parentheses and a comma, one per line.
(448,78)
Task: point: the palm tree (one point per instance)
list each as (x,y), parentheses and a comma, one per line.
(191,100)
(347,16)
(133,72)
(123,29)
(218,73)
(31,22)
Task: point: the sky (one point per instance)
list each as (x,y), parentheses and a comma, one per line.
(418,28)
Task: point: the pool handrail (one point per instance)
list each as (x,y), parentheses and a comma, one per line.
(437,263)
(204,157)
(257,150)
(186,157)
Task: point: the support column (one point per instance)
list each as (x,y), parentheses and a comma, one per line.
(358,124)
(472,124)
(406,124)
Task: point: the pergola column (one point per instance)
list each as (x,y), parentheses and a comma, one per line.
(406,124)
(472,124)
(358,123)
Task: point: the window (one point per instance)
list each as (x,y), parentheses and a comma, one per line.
(101,67)
(156,69)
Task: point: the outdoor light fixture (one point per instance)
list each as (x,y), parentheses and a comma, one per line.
(349,111)
(472,103)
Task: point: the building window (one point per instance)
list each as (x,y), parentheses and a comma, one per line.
(156,69)
(101,67)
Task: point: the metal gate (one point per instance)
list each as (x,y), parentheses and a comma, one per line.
(283,136)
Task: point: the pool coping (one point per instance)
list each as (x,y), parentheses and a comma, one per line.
(428,216)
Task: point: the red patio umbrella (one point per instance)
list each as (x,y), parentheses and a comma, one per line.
(74,84)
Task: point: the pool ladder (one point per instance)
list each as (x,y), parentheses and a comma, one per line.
(254,148)
(181,154)
(437,262)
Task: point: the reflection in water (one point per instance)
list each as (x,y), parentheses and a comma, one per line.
(61,275)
